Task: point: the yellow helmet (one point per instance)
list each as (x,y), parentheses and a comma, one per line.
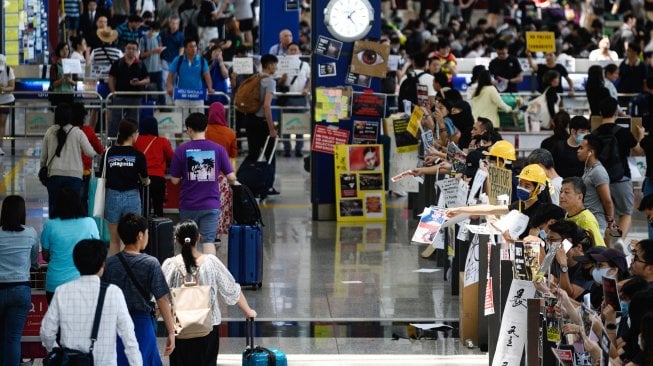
(503,149)
(533,173)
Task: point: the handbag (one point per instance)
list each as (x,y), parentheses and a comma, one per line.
(100,190)
(191,306)
(62,356)
(43,172)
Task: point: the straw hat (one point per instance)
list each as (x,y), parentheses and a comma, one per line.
(107,35)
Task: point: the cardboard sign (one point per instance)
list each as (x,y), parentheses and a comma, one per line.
(325,138)
(370,58)
(297,123)
(169,123)
(512,335)
(541,41)
(288,64)
(368,105)
(500,183)
(243,65)
(365,132)
(37,123)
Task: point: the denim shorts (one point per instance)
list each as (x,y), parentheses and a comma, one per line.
(207,220)
(119,203)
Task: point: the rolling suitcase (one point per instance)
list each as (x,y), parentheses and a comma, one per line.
(161,241)
(257,175)
(245,254)
(261,356)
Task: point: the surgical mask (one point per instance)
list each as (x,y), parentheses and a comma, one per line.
(624,308)
(155,34)
(542,235)
(523,194)
(579,138)
(599,273)
(640,343)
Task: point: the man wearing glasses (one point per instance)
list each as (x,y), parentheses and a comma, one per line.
(642,264)
(127,74)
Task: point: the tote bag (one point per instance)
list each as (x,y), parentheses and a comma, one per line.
(100,190)
(191,306)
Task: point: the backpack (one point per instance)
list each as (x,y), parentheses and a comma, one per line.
(610,156)
(538,110)
(248,97)
(245,208)
(408,89)
(191,306)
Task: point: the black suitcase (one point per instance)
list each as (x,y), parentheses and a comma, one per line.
(258,175)
(161,241)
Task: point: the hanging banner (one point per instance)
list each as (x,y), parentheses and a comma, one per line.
(512,335)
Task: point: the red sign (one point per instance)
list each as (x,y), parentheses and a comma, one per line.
(35,315)
(368,105)
(325,138)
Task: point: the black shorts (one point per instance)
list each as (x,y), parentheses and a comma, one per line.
(5,111)
(246,24)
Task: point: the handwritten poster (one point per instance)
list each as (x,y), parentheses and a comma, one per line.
(449,187)
(243,65)
(325,138)
(512,335)
(500,180)
(331,104)
(472,263)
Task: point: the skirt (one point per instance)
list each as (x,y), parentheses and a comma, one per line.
(226,205)
(201,351)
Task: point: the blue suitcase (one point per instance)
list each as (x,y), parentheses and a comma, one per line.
(261,356)
(245,254)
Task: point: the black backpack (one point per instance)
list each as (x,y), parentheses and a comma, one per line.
(610,156)
(408,89)
(245,207)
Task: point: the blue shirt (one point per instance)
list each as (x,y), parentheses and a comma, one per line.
(190,73)
(125,34)
(60,237)
(18,249)
(173,42)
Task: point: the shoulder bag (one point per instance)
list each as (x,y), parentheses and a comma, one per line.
(101,190)
(191,305)
(138,286)
(43,172)
(62,356)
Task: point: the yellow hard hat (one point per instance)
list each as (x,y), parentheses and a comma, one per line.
(503,149)
(533,173)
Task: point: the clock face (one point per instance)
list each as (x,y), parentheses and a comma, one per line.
(349,20)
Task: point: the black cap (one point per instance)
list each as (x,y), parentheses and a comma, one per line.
(587,257)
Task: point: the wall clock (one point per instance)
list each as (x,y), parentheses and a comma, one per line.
(349,20)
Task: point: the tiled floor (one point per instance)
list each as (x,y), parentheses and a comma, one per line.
(307,306)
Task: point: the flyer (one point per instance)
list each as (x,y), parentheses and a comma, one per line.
(325,138)
(429,225)
(365,132)
(328,47)
(368,105)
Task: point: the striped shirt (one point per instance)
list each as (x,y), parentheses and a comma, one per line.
(101,61)
(71,8)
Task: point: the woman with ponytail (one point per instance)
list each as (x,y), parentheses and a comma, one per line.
(211,272)
(126,170)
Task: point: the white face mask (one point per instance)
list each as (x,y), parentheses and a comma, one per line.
(599,273)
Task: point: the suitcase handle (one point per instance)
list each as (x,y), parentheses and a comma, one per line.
(261,157)
(249,334)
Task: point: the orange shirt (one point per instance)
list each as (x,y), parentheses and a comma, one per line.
(224,136)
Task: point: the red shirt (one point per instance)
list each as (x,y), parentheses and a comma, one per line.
(157,155)
(97,146)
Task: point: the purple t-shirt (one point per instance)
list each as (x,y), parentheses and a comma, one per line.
(198,163)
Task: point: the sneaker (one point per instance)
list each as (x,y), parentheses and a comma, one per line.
(299,154)
(272,192)
(2,152)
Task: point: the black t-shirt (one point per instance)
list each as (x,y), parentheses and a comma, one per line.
(543,69)
(647,145)
(566,161)
(594,97)
(124,73)
(625,139)
(507,69)
(124,166)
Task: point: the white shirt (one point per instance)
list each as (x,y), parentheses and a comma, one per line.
(597,55)
(4,81)
(73,309)
(302,77)
(426,79)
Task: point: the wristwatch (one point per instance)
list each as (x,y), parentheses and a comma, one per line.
(564,269)
(611,326)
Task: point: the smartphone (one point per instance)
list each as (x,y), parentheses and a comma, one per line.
(567,245)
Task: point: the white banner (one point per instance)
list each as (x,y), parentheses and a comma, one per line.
(512,335)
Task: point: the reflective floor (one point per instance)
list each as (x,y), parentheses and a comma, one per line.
(333,294)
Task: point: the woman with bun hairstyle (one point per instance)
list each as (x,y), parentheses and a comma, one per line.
(211,272)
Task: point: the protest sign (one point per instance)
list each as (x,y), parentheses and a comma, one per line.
(500,180)
(429,225)
(512,335)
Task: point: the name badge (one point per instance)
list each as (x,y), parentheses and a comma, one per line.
(189,94)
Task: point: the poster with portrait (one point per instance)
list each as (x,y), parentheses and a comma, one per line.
(327,70)
(360,187)
(328,47)
(370,58)
(358,79)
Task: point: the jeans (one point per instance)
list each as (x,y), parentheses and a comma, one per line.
(207,221)
(57,183)
(15,303)
(118,113)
